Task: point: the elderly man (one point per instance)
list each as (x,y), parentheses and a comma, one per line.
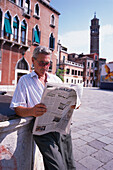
(55,148)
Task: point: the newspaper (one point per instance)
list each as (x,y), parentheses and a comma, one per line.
(58,99)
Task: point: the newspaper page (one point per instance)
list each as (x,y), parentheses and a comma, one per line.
(58,99)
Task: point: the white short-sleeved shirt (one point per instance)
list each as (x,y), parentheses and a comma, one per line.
(29,90)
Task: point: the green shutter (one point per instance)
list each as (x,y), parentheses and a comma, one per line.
(0,14)
(7,26)
(53,43)
(36,37)
(15,25)
(23,27)
(33,36)
(50,42)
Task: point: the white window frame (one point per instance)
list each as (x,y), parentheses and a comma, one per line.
(52,23)
(0,75)
(35,14)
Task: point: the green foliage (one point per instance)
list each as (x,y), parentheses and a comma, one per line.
(60,74)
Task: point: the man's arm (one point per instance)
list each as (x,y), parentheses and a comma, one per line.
(37,110)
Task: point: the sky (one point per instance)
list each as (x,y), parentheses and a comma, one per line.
(75,21)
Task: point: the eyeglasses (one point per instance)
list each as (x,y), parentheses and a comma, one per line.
(43,63)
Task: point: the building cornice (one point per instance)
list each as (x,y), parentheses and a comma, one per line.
(48,6)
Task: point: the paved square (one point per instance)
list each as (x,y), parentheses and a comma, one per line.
(93,135)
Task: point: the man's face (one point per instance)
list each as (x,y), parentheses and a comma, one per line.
(41,64)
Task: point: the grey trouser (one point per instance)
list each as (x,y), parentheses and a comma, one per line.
(56,150)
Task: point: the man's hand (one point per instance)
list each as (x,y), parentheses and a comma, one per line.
(39,110)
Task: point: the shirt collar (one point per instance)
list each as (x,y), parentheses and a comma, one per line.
(33,74)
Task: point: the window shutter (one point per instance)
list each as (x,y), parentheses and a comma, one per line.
(33,36)
(15,25)
(23,27)
(53,43)
(0,16)
(36,37)
(7,26)
(39,35)
(49,42)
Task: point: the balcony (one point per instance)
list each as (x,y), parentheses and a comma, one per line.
(52,25)
(72,63)
(13,40)
(26,12)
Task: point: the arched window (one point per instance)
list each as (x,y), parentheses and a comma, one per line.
(36,34)
(52,20)
(51,42)
(22,68)
(23,32)
(22,64)
(15,28)
(7,25)
(20,3)
(37,10)
(27,6)
(0,22)
(50,67)
(13,1)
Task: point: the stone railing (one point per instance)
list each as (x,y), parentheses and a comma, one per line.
(17,148)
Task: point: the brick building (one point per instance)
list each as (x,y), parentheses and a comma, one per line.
(91,69)
(88,70)
(95,58)
(25,24)
(90,64)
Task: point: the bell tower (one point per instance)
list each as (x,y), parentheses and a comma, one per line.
(94,35)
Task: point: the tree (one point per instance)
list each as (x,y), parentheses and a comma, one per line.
(60,73)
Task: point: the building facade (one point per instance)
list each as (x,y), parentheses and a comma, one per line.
(73,71)
(102,61)
(91,69)
(88,64)
(95,79)
(25,24)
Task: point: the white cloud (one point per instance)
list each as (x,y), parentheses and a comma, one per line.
(75,41)
(106,42)
(79,41)
(106,30)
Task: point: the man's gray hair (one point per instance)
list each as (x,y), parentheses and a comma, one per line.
(41,50)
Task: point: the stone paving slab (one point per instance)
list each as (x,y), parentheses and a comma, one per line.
(109,165)
(90,163)
(87,138)
(97,144)
(92,131)
(88,150)
(80,166)
(109,148)
(103,156)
